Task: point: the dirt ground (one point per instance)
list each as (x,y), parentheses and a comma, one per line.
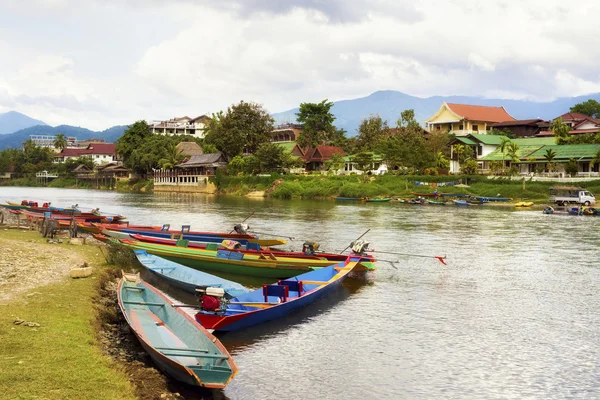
(25,265)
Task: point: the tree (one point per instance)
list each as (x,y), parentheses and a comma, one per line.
(512,152)
(370,132)
(73,163)
(363,161)
(60,142)
(133,137)
(572,168)
(243,128)
(469,167)
(561,131)
(172,158)
(590,107)
(272,157)
(595,161)
(318,123)
(549,156)
(501,132)
(208,148)
(441,161)
(406,117)
(335,163)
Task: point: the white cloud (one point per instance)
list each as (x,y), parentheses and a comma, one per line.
(109,62)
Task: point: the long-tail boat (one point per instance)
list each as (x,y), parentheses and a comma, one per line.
(211,237)
(233,262)
(272,301)
(309,254)
(177,344)
(185,278)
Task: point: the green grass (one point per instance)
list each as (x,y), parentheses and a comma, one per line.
(60,359)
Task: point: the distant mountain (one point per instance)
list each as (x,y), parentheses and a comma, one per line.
(389,104)
(13,121)
(16,139)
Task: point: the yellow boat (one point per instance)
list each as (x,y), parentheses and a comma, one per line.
(524,204)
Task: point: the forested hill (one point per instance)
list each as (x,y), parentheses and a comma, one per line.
(16,139)
(13,121)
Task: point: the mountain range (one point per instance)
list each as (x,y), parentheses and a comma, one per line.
(16,139)
(388,104)
(13,121)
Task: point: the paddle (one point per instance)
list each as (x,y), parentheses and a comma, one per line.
(439,258)
(347,247)
(273,235)
(247,218)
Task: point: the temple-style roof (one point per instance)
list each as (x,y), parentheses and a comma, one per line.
(204,160)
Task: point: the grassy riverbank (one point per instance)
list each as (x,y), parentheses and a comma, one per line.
(60,359)
(327,186)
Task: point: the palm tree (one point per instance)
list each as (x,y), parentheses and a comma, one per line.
(549,157)
(512,150)
(504,143)
(172,158)
(60,142)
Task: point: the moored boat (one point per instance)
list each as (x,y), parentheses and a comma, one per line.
(378,199)
(274,301)
(177,344)
(461,202)
(185,278)
(524,204)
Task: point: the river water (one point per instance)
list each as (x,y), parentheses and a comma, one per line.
(514,315)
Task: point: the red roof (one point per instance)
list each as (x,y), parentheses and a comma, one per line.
(481,113)
(322,153)
(581,131)
(570,116)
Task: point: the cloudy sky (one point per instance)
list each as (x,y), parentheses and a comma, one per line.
(97,63)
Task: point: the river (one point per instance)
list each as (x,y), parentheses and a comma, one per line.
(514,314)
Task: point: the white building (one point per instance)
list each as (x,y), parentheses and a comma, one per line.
(181,126)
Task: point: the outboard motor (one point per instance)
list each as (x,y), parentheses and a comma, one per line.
(359,246)
(211,298)
(241,229)
(310,248)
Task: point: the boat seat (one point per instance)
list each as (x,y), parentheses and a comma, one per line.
(182,243)
(185,228)
(252,246)
(183,349)
(281,291)
(293,286)
(314,283)
(268,256)
(144,303)
(212,246)
(165,227)
(230,255)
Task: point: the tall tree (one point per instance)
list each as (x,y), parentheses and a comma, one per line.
(318,123)
(243,128)
(363,161)
(172,157)
(60,141)
(590,107)
(370,132)
(549,156)
(133,138)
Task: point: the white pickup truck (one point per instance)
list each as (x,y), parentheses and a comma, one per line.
(563,195)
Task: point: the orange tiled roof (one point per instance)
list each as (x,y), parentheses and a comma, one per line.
(481,113)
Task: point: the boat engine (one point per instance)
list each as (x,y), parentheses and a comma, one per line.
(310,248)
(211,298)
(359,246)
(242,229)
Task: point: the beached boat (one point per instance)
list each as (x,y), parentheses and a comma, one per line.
(486,199)
(276,300)
(207,237)
(378,199)
(350,198)
(524,204)
(177,344)
(185,278)
(233,262)
(437,202)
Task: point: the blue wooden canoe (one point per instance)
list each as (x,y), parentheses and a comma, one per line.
(178,345)
(462,202)
(185,278)
(277,300)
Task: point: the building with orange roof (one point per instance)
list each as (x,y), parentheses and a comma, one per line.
(465,119)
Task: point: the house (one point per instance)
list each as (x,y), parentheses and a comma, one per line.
(315,157)
(287,133)
(523,128)
(292,148)
(181,126)
(10,174)
(464,119)
(100,153)
(580,124)
(532,152)
(378,167)
(192,172)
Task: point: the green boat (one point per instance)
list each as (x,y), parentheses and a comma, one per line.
(263,265)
